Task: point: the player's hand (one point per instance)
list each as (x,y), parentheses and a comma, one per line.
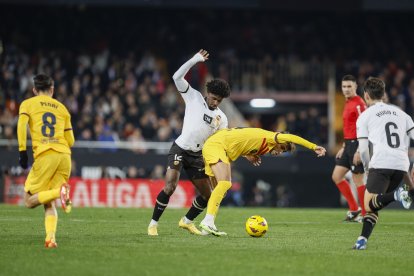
(339,154)
(23,159)
(357,159)
(320,151)
(254,159)
(204,54)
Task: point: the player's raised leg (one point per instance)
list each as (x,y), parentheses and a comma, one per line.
(65,198)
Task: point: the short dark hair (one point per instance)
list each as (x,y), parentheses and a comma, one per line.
(375,88)
(42,82)
(218,87)
(349,78)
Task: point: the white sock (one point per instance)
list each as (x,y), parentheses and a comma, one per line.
(153,222)
(186,220)
(209,219)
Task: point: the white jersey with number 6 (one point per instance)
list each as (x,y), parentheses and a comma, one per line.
(387,128)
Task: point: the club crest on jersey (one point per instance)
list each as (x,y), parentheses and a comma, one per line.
(177,159)
(207,119)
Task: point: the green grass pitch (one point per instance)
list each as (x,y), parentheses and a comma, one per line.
(115,242)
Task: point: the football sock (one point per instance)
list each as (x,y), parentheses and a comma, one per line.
(199,204)
(217,196)
(48,196)
(378,202)
(361,194)
(209,219)
(369,222)
(160,205)
(50,226)
(345,190)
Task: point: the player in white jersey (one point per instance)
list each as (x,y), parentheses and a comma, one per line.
(387,128)
(201,119)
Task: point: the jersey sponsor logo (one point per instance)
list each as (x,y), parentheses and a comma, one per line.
(207,119)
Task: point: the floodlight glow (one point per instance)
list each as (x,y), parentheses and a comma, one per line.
(262,103)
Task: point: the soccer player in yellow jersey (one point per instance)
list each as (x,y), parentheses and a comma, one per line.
(52,136)
(227,145)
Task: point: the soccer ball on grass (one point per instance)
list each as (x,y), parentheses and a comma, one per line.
(256,226)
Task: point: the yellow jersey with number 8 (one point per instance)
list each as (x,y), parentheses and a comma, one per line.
(48,121)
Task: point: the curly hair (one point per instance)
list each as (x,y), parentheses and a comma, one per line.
(218,87)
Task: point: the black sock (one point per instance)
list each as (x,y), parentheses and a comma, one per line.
(199,204)
(380,201)
(160,205)
(369,222)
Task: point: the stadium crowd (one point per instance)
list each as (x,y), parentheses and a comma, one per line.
(117,84)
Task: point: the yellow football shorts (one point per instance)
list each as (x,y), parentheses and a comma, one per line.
(50,170)
(213,152)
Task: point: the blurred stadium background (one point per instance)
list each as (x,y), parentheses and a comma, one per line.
(112,63)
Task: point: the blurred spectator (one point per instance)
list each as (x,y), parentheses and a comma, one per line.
(157,172)
(127,80)
(135,172)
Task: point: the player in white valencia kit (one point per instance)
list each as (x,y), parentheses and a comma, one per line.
(202,118)
(387,127)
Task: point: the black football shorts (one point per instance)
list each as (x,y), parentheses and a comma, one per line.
(192,162)
(346,160)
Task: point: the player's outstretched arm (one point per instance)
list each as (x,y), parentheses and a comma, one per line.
(285,137)
(178,77)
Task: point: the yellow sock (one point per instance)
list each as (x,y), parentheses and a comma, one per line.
(50,226)
(48,196)
(217,196)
